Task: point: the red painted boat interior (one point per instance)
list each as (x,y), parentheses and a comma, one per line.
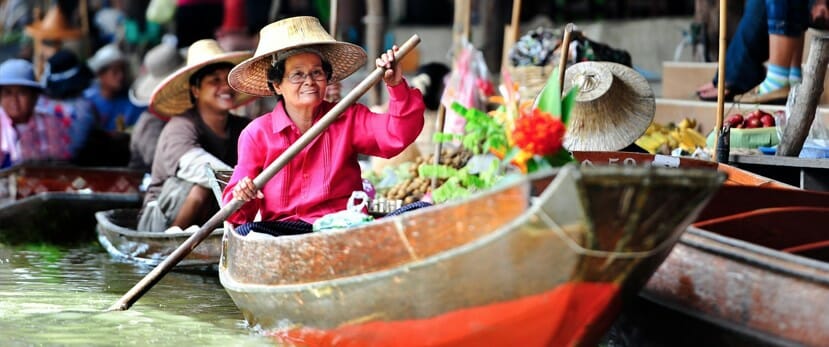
(799,230)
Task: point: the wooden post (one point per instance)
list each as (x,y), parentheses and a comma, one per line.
(511,33)
(441,118)
(492,29)
(807,97)
(515,23)
(460,24)
(565,54)
(333,20)
(374,43)
(719,156)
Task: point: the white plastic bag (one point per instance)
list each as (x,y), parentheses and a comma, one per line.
(352,216)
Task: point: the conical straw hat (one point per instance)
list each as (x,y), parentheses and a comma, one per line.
(54,26)
(282,36)
(614,106)
(172,96)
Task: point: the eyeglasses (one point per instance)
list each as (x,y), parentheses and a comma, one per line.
(299,76)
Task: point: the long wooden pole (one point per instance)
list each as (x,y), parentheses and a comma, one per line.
(721,145)
(565,53)
(146,283)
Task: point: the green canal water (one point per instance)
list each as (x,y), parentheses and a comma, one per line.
(56,296)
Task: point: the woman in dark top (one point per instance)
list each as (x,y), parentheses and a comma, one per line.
(201,132)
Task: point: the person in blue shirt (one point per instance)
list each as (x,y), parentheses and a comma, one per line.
(109,94)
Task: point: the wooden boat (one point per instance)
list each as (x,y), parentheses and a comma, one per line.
(754,262)
(118,234)
(53,203)
(490,270)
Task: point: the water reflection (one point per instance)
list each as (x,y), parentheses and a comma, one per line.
(56,296)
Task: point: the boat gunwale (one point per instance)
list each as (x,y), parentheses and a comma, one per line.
(101,218)
(73,196)
(757,256)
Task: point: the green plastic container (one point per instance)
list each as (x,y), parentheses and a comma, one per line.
(749,138)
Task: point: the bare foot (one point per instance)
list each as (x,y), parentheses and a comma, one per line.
(706,87)
(711,94)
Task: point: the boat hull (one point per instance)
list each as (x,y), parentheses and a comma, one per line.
(117,234)
(56,204)
(762,273)
(494,259)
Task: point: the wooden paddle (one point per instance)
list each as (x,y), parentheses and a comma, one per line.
(146,283)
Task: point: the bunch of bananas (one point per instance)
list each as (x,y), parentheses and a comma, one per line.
(664,139)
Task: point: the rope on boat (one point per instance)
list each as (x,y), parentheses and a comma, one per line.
(558,230)
(398,226)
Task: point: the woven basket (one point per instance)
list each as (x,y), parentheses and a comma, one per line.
(530,79)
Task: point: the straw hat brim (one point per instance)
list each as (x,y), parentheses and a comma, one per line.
(37,32)
(172,96)
(613,112)
(250,76)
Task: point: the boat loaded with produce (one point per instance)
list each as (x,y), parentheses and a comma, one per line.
(514,251)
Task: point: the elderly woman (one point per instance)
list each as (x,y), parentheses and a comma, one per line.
(201,132)
(296,60)
(27,134)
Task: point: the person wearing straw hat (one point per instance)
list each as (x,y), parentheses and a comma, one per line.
(201,131)
(27,134)
(296,60)
(159,62)
(109,94)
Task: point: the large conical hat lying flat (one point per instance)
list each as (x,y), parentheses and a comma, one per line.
(614,107)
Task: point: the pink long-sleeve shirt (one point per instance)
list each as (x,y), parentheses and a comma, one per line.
(320,179)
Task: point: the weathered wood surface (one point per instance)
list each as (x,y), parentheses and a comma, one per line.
(808,95)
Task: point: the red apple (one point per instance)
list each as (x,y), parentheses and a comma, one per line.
(753,123)
(767,120)
(735,120)
(753,115)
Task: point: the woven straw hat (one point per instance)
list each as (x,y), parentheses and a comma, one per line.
(276,38)
(614,107)
(172,96)
(54,26)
